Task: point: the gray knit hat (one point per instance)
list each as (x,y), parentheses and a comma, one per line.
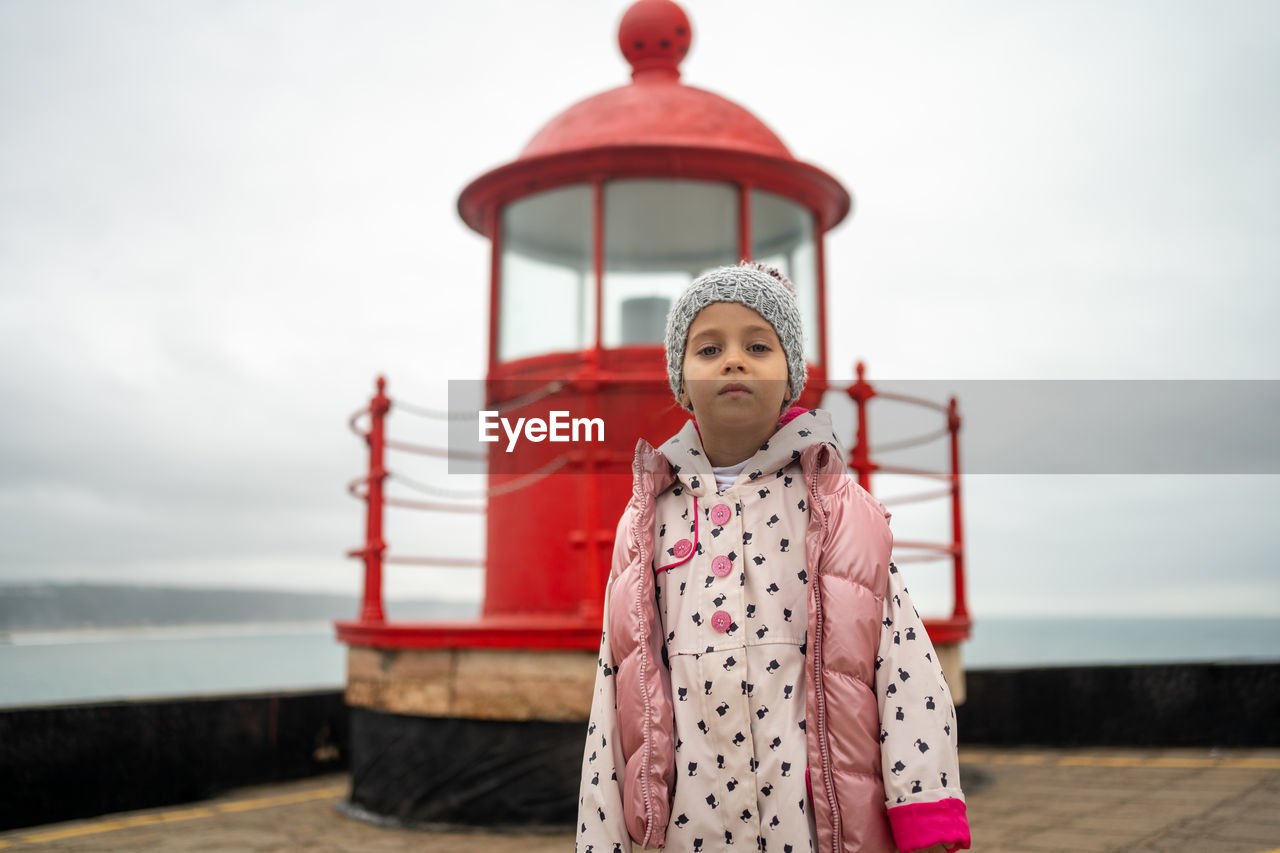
(760,287)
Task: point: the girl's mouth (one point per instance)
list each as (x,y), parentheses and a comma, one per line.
(735,389)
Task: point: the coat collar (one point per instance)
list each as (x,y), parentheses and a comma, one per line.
(682,457)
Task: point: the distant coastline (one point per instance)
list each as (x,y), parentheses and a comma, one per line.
(99,643)
(27,609)
(192,631)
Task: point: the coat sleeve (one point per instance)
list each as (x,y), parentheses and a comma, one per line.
(918,752)
(601,823)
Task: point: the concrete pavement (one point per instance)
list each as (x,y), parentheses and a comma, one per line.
(1197,801)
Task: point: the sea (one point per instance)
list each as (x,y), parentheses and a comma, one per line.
(57,667)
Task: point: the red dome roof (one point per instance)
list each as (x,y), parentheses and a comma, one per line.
(656,111)
(654,126)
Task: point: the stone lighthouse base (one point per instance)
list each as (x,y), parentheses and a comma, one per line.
(477,737)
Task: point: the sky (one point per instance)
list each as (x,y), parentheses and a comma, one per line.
(219,221)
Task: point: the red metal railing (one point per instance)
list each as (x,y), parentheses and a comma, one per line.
(950,629)
(376,500)
(957,626)
(374,552)
(371,609)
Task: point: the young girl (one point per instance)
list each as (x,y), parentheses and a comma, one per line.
(764,681)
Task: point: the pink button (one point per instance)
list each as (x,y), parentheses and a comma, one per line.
(721,566)
(681,548)
(721,621)
(720,514)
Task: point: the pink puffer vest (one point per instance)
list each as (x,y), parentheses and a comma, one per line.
(847,547)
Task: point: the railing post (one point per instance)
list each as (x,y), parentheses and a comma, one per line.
(957,529)
(861,391)
(371,606)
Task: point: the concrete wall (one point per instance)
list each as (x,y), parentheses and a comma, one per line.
(71,761)
(1228,705)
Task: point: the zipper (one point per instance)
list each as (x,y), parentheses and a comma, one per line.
(647,752)
(819,689)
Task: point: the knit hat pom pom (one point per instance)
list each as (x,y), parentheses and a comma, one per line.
(770,270)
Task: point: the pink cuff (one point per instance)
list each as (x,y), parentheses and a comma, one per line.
(920,825)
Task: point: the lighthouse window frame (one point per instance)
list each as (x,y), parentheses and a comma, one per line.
(547,280)
(660,234)
(784,234)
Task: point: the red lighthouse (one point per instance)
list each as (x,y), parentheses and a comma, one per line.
(611,209)
(608,212)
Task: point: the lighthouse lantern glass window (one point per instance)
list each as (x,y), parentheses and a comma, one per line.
(782,234)
(546,282)
(658,236)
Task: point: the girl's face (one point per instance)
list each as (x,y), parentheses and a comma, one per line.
(735,370)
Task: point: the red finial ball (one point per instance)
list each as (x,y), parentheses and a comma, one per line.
(655,36)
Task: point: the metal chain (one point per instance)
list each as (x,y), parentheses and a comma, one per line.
(436,491)
(437,452)
(506,488)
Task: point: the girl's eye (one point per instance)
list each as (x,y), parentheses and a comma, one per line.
(759,347)
(709,350)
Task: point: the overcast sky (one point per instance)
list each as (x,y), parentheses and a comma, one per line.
(220,220)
